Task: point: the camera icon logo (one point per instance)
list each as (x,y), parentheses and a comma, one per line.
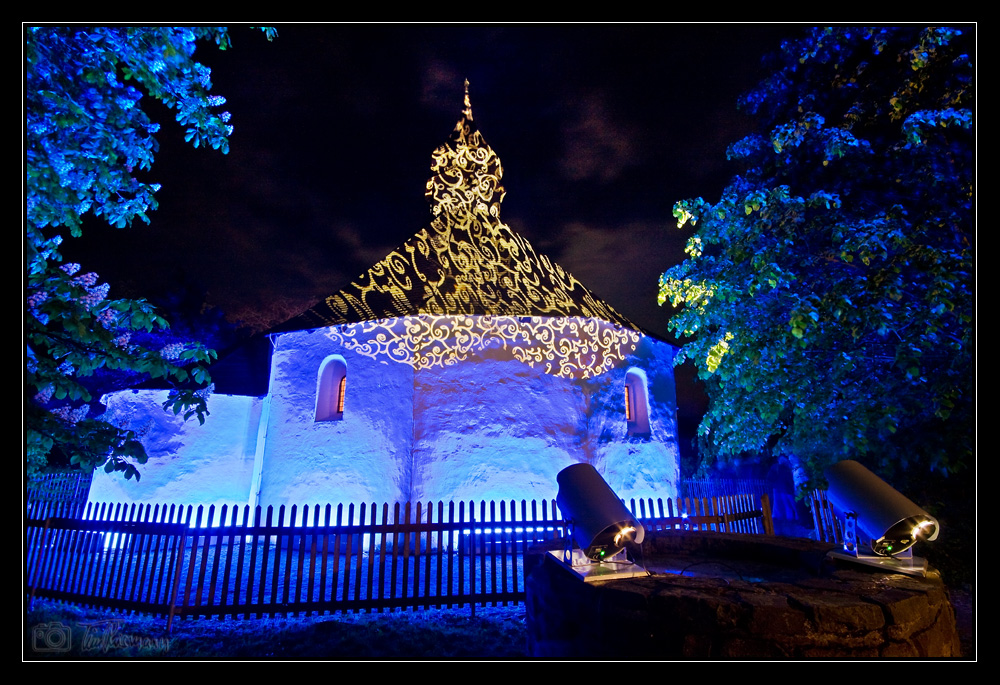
(51,637)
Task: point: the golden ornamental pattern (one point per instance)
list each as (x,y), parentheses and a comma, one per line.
(470,266)
(568,347)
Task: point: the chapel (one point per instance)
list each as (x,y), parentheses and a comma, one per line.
(462,366)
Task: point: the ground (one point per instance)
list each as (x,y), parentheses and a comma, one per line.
(492,633)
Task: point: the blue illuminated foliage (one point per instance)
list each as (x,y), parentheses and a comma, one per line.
(828,293)
(86,141)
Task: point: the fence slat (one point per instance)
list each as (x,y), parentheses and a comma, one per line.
(326,545)
(371,551)
(463,545)
(382,549)
(428,555)
(404,577)
(416,552)
(265,553)
(288,543)
(440,549)
(481,549)
(450,593)
(504,555)
(275,572)
(336,555)
(299,559)
(252,568)
(313,540)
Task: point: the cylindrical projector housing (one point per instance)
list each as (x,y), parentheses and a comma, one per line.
(601,523)
(892,521)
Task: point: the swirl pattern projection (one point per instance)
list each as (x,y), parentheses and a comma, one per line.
(468,284)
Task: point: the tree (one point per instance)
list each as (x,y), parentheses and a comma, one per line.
(88,144)
(828,294)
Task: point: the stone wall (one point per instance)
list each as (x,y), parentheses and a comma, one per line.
(749,597)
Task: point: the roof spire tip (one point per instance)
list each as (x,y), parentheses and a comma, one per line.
(467,112)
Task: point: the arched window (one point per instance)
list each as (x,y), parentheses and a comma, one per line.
(636,402)
(331,386)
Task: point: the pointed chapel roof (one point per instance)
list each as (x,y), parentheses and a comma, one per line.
(467,261)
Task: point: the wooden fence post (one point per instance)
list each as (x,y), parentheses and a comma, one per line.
(765,505)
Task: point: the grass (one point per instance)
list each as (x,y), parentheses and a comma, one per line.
(57,631)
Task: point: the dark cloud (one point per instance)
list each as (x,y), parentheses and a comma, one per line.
(596,146)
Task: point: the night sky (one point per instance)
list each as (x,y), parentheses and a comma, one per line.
(600,130)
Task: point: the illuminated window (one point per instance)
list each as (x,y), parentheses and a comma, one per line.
(636,402)
(331,386)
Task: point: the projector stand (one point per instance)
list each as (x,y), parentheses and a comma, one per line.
(577,563)
(904,562)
